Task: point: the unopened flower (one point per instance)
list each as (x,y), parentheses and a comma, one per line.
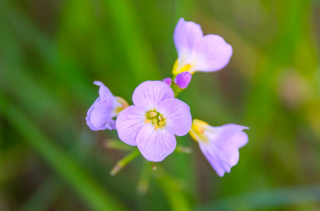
(106,107)
(220,145)
(197,52)
(183,79)
(153,121)
(167,81)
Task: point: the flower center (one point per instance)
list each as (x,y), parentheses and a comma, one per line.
(121,104)
(156,119)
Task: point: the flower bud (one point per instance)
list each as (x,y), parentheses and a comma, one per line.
(167,81)
(183,79)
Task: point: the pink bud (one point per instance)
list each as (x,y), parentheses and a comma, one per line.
(167,81)
(183,79)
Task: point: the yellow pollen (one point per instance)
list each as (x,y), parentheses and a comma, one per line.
(156,119)
(185,68)
(123,105)
(198,130)
(201,130)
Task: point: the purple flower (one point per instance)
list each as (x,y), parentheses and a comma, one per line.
(106,106)
(153,121)
(167,81)
(183,79)
(197,52)
(220,145)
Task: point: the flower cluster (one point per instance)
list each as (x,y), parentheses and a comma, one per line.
(157,116)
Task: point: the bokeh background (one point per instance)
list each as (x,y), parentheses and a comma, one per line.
(51,51)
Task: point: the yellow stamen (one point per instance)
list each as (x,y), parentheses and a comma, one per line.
(123,103)
(198,130)
(155,118)
(185,68)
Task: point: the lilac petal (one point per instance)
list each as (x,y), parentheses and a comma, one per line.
(167,81)
(111,125)
(104,92)
(211,53)
(183,79)
(99,115)
(155,145)
(177,116)
(221,158)
(186,36)
(129,123)
(240,139)
(225,133)
(150,93)
(223,150)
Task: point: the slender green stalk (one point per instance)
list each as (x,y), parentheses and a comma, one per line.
(172,191)
(176,89)
(183,149)
(145,177)
(117,144)
(123,162)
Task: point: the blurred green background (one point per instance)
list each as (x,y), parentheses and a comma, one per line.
(51,51)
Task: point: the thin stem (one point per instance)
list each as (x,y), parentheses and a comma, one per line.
(145,177)
(117,144)
(176,89)
(123,162)
(183,149)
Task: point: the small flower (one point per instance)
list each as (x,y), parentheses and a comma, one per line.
(106,106)
(197,52)
(153,121)
(183,79)
(167,81)
(220,145)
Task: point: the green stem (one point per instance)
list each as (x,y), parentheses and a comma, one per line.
(183,149)
(145,177)
(123,162)
(176,89)
(175,195)
(117,144)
